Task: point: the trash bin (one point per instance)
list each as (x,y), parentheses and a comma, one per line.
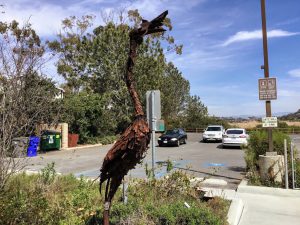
(19,147)
(50,140)
(33,146)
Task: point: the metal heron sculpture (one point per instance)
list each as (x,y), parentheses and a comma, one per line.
(131,147)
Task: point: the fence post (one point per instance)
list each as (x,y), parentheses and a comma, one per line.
(286,165)
(293,169)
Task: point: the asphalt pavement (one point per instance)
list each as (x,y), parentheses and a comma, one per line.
(207,160)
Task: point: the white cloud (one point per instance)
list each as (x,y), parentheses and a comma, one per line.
(256,34)
(294,73)
(45,19)
(201,60)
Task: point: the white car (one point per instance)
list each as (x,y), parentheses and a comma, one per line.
(235,137)
(213,133)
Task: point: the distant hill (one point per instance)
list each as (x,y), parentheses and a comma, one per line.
(291,116)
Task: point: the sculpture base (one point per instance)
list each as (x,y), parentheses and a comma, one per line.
(271,167)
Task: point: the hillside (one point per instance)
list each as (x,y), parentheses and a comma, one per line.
(291,116)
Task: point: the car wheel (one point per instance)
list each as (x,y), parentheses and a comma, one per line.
(178,143)
(203,140)
(160,145)
(184,141)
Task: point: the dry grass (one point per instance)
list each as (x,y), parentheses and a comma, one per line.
(247,124)
(253,123)
(293,123)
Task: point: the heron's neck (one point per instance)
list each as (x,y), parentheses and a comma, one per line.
(129,74)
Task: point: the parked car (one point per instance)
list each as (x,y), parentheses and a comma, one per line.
(235,137)
(173,137)
(213,133)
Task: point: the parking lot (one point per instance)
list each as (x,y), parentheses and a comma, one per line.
(200,159)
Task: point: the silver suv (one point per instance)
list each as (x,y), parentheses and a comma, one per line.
(213,133)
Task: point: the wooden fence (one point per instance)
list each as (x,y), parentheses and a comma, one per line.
(289,130)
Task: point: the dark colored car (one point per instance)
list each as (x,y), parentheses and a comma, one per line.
(173,137)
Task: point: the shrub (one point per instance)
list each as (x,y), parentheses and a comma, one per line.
(68,200)
(258,145)
(103,140)
(87,116)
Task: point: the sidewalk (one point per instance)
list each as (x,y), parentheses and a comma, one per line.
(253,205)
(269,206)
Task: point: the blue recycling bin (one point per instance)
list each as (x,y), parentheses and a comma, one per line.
(33,146)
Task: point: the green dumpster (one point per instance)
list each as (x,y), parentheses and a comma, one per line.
(50,140)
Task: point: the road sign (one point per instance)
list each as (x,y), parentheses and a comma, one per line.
(160,125)
(269,122)
(267,89)
(153,106)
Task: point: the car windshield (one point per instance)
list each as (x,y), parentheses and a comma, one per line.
(170,132)
(234,131)
(213,129)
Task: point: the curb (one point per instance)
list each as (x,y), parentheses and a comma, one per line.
(210,181)
(81,147)
(244,188)
(236,206)
(235,211)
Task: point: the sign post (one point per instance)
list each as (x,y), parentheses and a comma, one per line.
(265,67)
(153,115)
(270,163)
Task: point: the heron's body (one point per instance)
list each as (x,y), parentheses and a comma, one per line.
(131,147)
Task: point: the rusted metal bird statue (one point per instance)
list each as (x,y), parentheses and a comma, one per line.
(131,147)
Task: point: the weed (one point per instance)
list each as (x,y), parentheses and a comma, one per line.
(48,173)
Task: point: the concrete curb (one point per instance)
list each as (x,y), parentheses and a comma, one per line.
(32,172)
(244,188)
(236,207)
(235,211)
(209,181)
(81,147)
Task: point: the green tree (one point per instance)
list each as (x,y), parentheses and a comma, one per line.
(72,50)
(95,62)
(86,114)
(175,93)
(196,113)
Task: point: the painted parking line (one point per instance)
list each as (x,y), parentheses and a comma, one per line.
(214,164)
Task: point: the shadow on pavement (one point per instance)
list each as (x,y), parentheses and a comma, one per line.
(230,148)
(237,169)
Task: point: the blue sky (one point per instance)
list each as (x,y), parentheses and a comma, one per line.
(222,51)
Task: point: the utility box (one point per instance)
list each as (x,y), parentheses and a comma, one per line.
(50,140)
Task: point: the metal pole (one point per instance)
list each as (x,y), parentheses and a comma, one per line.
(266,68)
(286,165)
(124,191)
(153,131)
(293,168)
